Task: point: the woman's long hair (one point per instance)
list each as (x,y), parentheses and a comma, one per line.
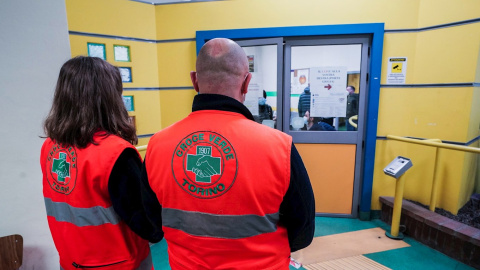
(88,99)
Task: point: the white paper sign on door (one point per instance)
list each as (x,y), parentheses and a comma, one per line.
(255,91)
(329,95)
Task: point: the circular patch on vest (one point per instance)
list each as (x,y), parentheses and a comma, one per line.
(62,169)
(204,164)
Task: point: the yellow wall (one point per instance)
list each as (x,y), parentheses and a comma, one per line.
(173,105)
(112,17)
(435,12)
(124,19)
(444,55)
(175,61)
(181,21)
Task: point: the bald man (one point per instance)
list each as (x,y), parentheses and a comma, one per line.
(225,191)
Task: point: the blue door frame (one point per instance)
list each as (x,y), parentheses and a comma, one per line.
(376,31)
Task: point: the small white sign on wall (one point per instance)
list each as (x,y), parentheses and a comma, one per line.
(396,70)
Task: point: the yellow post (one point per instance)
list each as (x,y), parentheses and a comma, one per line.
(397,210)
(433,195)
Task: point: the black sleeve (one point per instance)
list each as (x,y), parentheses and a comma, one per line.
(297,211)
(152,207)
(300,108)
(124,186)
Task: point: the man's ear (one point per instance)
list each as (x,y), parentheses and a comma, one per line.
(193,77)
(246,82)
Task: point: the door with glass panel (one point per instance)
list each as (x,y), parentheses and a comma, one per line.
(325,90)
(316,90)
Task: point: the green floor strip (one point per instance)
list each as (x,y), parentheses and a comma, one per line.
(417,256)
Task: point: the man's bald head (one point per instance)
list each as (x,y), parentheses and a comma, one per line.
(222,68)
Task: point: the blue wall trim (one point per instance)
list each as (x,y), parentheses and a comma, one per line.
(158,88)
(476,20)
(129,38)
(161,4)
(292,31)
(145,135)
(376,30)
(473,140)
(431,85)
(372,117)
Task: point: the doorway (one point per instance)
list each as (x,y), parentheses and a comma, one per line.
(304,80)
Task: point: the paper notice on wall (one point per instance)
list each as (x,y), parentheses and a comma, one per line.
(329,95)
(299,80)
(255,91)
(396,70)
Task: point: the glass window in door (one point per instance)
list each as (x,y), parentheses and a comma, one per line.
(325,87)
(261,98)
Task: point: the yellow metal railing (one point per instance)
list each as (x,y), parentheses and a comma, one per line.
(397,204)
(350,120)
(141,148)
(438,144)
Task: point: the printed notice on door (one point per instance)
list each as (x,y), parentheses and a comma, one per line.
(397,70)
(329,95)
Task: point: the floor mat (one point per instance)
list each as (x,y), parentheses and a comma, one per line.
(344,245)
(353,263)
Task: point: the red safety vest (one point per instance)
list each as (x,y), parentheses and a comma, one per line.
(85,228)
(220,179)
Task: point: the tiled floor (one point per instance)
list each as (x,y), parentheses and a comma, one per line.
(416,256)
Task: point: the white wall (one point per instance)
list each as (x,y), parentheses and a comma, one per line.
(33,45)
(265,70)
(327,55)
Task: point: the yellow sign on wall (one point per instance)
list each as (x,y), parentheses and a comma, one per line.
(397,70)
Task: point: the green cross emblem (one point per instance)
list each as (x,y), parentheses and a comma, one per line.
(203,164)
(61,167)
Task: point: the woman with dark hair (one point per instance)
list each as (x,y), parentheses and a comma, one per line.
(89,164)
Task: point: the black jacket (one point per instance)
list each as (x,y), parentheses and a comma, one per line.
(137,204)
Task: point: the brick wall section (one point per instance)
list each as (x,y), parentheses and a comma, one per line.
(457,240)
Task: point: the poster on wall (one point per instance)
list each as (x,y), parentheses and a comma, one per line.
(299,80)
(396,70)
(128,101)
(126,73)
(251,63)
(121,53)
(96,50)
(255,92)
(328,91)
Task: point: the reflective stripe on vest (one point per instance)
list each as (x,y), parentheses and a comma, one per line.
(219,226)
(146,264)
(92,216)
